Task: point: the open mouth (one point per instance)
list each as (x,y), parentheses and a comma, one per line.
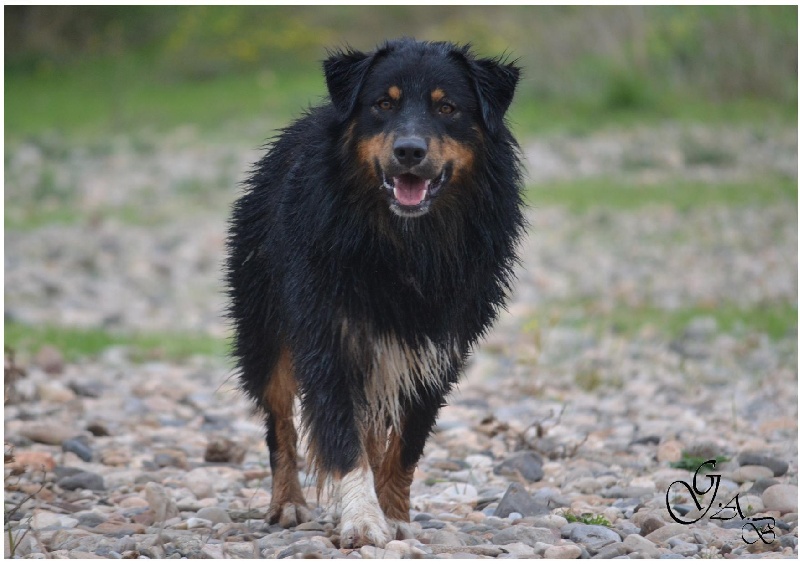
(411,195)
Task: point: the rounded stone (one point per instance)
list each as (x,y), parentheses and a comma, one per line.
(669,451)
(83,480)
(779,467)
(214,514)
(751,473)
(780,497)
(562,552)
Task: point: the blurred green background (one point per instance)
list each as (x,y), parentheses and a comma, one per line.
(93,69)
(123,119)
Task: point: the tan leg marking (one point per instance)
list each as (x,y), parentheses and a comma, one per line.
(288,505)
(393,482)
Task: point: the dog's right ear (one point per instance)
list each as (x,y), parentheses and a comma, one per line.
(344,74)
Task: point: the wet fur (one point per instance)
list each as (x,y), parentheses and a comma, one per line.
(370,316)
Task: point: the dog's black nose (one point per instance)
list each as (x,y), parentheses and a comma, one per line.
(410,151)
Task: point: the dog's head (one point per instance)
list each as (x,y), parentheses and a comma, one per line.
(417,113)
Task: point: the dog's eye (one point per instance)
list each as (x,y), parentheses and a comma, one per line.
(446,108)
(384,104)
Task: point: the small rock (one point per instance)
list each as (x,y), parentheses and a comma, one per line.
(461,492)
(79,446)
(592,537)
(684,548)
(42,520)
(777,466)
(199,482)
(650,524)
(83,480)
(444,537)
(87,390)
(669,451)
(133,502)
(161,503)
(517,499)
(97,429)
(54,391)
(50,360)
(306,548)
(662,534)
(224,450)
(526,534)
(611,551)
(195,522)
(212,551)
(552,521)
(519,550)
(115,457)
(33,461)
(526,464)
(241,550)
(562,552)
(214,515)
(751,504)
(171,458)
(48,434)
(761,485)
(635,542)
(751,473)
(780,497)
(90,519)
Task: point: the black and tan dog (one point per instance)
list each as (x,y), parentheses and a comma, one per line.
(372,248)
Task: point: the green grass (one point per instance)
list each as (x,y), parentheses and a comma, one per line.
(123,96)
(585,194)
(692,462)
(777,320)
(126,93)
(80,343)
(587,518)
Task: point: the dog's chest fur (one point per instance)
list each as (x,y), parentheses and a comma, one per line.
(394,370)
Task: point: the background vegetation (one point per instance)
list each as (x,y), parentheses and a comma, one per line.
(95,68)
(84,84)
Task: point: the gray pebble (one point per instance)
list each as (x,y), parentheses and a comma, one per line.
(443,537)
(83,480)
(214,515)
(527,464)
(612,550)
(79,446)
(778,466)
(651,524)
(684,548)
(761,485)
(528,535)
(517,499)
(593,537)
(303,547)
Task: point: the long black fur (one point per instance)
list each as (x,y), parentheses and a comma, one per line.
(309,247)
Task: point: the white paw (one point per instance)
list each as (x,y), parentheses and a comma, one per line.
(363,522)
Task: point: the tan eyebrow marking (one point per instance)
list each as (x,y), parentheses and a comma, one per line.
(437,95)
(395,93)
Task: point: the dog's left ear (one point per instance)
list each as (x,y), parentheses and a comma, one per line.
(495,81)
(344,74)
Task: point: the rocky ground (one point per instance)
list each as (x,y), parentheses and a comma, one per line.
(565,435)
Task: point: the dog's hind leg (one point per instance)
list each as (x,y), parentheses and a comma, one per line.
(288,505)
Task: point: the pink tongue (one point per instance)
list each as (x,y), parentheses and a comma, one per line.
(409,190)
